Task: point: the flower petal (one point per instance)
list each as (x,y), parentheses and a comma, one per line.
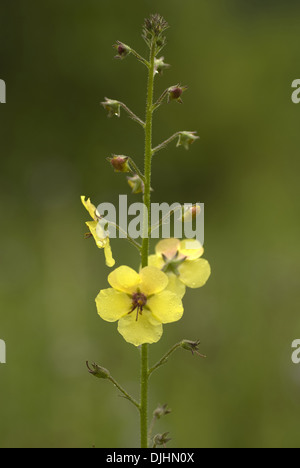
(153,280)
(110,262)
(93,227)
(191,248)
(124,279)
(168,247)
(112,305)
(89,207)
(194,274)
(176,286)
(166,307)
(156,261)
(144,330)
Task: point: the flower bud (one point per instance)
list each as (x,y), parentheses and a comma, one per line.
(192,346)
(191,213)
(119,163)
(113,107)
(136,184)
(122,49)
(97,371)
(161,411)
(175,93)
(160,65)
(161,439)
(186,139)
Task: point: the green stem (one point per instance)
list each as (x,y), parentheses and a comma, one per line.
(145,244)
(164,359)
(125,394)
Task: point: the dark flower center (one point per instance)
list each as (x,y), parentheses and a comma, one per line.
(139,300)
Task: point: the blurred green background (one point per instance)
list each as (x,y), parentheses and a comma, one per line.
(239,59)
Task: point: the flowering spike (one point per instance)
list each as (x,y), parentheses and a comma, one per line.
(153,30)
(186,139)
(113,107)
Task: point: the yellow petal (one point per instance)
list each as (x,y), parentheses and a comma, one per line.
(90,207)
(156,261)
(191,248)
(194,274)
(124,279)
(144,330)
(93,227)
(110,262)
(167,247)
(112,305)
(166,307)
(153,280)
(175,285)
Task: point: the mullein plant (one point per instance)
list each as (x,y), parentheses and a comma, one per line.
(145,300)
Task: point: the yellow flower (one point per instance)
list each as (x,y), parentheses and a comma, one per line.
(98,232)
(181,261)
(140,302)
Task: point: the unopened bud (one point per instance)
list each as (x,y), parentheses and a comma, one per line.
(187,138)
(113,107)
(175,93)
(192,346)
(122,49)
(98,371)
(191,213)
(161,411)
(136,184)
(161,439)
(119,163)
(160,65)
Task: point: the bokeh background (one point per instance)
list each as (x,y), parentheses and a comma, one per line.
(239,59)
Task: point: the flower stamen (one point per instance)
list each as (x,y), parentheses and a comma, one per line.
(139,300)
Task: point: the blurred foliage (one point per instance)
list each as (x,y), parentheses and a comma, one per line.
(239,59)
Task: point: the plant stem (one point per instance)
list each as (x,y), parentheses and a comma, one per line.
(166,142)
(145,244)
(164,359)
(126,395)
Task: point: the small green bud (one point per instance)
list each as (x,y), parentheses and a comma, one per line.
(175,93)
(161,411)
(187,138)
(136,184)
(160,65)
(192,346)
(113,107)
(98,371)
(122,49)
(119,163)
(161,439)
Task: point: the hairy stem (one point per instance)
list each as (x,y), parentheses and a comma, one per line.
(165,143)
(164,359)
(125,394)
(145,244)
